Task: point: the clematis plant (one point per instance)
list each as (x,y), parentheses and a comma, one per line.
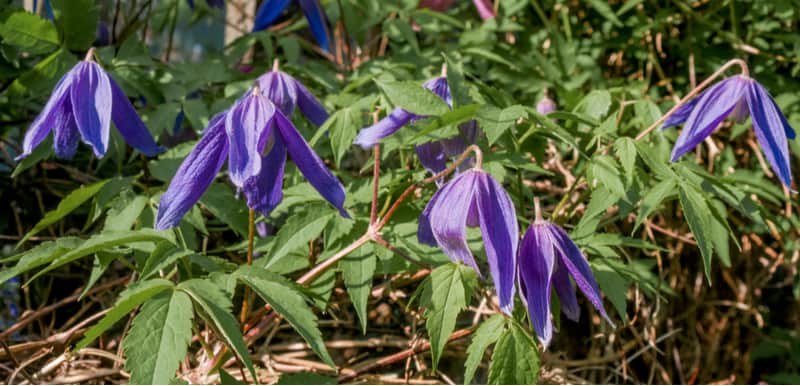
(242,134)
(433,155)
(81,107)
(270,10)
(547,259)
(475,199)
(740,96)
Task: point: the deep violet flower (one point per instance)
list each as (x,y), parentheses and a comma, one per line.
(741,96)
(547,257)
(241,135)
(432,155)
(81,107)
(484,7)
(269,11)
(474,198)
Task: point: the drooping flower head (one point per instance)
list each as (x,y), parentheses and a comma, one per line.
(270,10)
(432,155)
(475,199)
(545,105)
(740,96)
(242,135)
(547,259)
(81,107)
(484,7)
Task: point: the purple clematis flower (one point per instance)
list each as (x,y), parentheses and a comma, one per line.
(741,96)
(474,198)
(242,134)
(547,257)
(432,155)
(545,105)
(270,10)
(82,106)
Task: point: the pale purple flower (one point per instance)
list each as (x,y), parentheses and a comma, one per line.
(475,199)
(81,107)
(432,155)
(242,134)
(547,258)
(545,105)
(741,96)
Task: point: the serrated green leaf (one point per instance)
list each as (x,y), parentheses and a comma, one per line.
(486,335)
(495,122)
(412,97)
(604,169)
(222,203)
(456,81)
(515,360)
(439,125)
(298,230)
(697,212)
(445,296)
(217,311)
(77,21)
(653,199)
(614,286)
(358,269)
(287,301)
(72,201)
(124,213)
(129,299)
(165,254)
(626,151)
(29,32)
(342,127)
(40,255)
(595,104)
(604,9)
(158,338)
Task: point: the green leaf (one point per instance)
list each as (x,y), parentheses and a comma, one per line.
(72,201)
(103,241)
(358,268)
(605,171)
(40,255)
(487,334)
(129,299)
(446,294)
(614,286)
(595,104)
(40,80)
(697,212)
(165,254)
(412,97)
(342,127)
(217,311)
(124,213)
(298,230)
(515,360)
(29,32)
(77,21)
(219,199)
(227,379)
(495,121)
(286,300)
(491,56)
(456,82)
(438,126)
(604,9)
(626,151)
(653,199)
(158,338)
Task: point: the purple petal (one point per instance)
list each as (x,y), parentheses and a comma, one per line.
(682,113)
(573,260)
(246,125)
(265,191)
(310,164)
(566,293)
(715,104)
(536,264)
(786,126)
(768,124)
(46,120)
(424,231)
(448,218)
(432,156)
(129,123)
(91,104)
(268,12)
(440,88)
(194,175)
(368,137)
(545,105)
(318,22)
(310,106)
(280,89)
(65,140)
(498,221)
(485,9)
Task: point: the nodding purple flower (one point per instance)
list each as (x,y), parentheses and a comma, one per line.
(81,107)
(433,155)
(242,134)
(741,96)
(547,258)
(286,93)
(545,105)
(484,7)
(475,199)
(270,10)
